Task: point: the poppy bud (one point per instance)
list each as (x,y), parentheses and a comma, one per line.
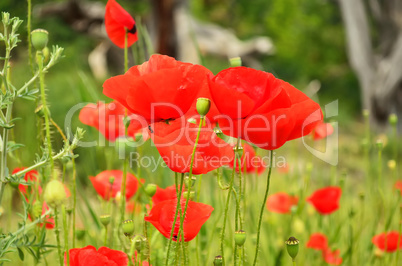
(238,151)
(55,194)
(37,209)
(46,55)
(39,111)
(235,61)
(189,182)
(128,227)
(218,261)
(391,164)
(393,119)
(292,245)
(39,39)
(203,105)
(138,241)
(111,180)
(240,237)
(150,189)
(105,219)
(366,113)
(79,234)
(122,146)
(189,194)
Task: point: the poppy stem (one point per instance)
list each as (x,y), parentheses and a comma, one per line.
(226,210)
(263,208)
(57,231)
(125,51)
(63,212)
(175,217)
(45,108)
(188,193)
(74,197)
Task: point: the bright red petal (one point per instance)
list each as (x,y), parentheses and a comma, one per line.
(317,241)
(281,202)
(326,200)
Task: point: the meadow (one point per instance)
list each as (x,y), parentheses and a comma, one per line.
(248,169)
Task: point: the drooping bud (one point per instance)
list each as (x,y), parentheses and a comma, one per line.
(150,189)
(55,194)
(128,227)
(189,183)
(37,209)
(292,245)
(138,242)
(189,194)
(240,237)
(218,261)
(79,234)
(105,219)
(203,105)
(235,61)
(39,39)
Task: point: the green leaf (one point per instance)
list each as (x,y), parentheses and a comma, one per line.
(20,254)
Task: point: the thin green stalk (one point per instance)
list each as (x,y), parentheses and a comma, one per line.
(45,109)
(106,232)
(197,239)
(131,254)
(226,210)
(263,208)
(190,176)
(74,197)
(57,231)
(65,227)
(125,51)
(175,217)
(123,191)
(29,16)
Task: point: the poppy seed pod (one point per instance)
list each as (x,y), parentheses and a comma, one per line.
(238,151)
(292,245)
(128,227)
(203,106)
(105,219)
(235,62)
(240,237)
(218,261)
(150,189)
(39,39)
(55,194)
(79,234)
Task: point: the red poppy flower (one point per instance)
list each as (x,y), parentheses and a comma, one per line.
(31,176)
(388,242)
(162,217)
(398,186)
(163,194)
(322,130)
(318,241)
(262,109)
(281,202)
(332,257)
(175,143)
(326,200)
(89,256)
(108,120)
(117,21)
(101,183)
(159,89)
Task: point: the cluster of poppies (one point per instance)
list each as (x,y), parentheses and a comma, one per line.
(319,242)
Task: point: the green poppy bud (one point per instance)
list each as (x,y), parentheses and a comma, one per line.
(235,62)
(55,194)
(292,245)
(240,237)
(189,194)
(128,227)
(203,105)
(39,39)
(218,261)
(189,183)
(379,144)
(150,189)
(393,119)
(138,242)
(80,233)
(238,151)
(105,219)
(37,209)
